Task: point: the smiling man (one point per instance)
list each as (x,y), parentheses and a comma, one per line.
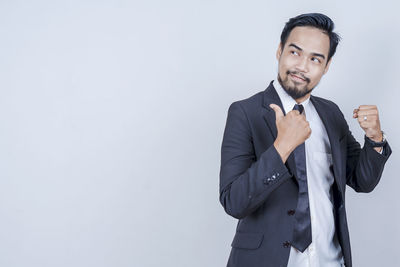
(288,155)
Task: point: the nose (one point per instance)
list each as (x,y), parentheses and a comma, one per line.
(302,64)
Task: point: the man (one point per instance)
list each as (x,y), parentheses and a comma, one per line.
(287,157)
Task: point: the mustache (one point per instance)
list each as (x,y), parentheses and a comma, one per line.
(298,74)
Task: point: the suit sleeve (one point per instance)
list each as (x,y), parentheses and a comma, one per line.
(245,183)
(364,166)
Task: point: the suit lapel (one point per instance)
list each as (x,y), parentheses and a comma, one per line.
(333,130)
(271,97)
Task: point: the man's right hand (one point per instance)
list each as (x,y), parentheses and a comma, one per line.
(293,130)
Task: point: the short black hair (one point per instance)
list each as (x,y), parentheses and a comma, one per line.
(316,20)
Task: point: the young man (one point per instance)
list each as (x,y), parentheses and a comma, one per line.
(287,157)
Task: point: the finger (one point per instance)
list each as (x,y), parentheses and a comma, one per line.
(294,111)
(368,124)
(369,118)
(367,107)
(278,111)
(365,112)
(355,113)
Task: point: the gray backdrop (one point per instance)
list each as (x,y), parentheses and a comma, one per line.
(112,115)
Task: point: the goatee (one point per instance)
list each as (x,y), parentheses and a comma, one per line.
(293,91)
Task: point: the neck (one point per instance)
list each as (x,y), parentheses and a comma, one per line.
(301,99)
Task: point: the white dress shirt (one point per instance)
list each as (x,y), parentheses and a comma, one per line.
(325,249)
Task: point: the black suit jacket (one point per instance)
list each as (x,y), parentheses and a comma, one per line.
(261,191)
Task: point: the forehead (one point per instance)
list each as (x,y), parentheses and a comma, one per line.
(310,39)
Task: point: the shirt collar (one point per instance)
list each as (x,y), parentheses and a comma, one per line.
(287,101)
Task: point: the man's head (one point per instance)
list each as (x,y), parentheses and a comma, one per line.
(304,53)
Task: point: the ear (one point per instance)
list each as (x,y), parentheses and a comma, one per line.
(279,51)
(327,66)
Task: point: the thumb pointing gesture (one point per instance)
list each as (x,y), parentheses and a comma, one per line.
(278,111)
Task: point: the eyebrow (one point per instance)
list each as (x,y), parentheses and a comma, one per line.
(314,54)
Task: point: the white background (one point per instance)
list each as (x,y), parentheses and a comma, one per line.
(112,115)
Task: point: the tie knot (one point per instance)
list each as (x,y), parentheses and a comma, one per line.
(298,107)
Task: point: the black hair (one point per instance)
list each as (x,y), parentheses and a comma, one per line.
(316,20)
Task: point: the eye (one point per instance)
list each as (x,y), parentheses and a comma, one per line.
(316,60)
(294,52)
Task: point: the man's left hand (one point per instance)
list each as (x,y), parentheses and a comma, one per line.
(368,118)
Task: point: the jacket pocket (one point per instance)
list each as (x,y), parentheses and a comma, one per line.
(247,240)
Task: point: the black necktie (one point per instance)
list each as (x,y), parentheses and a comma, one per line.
(302,225)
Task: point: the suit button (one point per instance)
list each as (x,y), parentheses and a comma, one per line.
(286,244)
(267,180)
(291,212)
(273,177)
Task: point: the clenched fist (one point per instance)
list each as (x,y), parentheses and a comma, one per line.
(293,130)
(368,118)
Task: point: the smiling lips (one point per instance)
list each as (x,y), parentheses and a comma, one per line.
(297,78)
